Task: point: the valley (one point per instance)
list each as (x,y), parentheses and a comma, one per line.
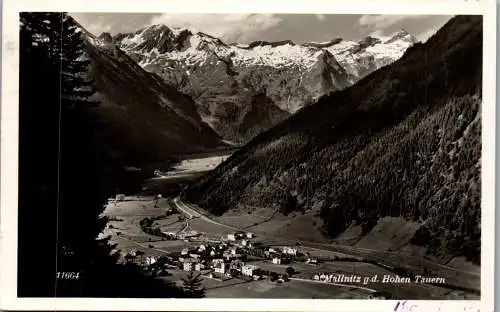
(189,165)
(208,230)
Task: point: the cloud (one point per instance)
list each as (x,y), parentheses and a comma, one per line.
(384,21)
(98,28)
(377,33)
(228,27)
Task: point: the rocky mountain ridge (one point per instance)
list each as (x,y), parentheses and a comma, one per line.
(223,78)
(143,119)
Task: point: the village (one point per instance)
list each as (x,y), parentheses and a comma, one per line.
(234,256)
(170,241)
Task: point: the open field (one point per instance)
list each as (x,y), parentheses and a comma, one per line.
(200,164)
(291,289)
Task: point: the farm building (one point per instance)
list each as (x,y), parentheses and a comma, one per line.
(120,197)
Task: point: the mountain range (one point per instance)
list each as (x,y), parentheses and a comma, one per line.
(391,163)
(143,119)
(241,90)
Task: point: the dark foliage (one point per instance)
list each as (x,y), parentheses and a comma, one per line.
(192,285)
(404,142)
(65,174)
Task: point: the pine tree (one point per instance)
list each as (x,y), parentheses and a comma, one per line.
(64,173)
(192,285)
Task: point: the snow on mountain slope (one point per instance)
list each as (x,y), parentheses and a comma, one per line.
(143,120)
(363,57)
(222,78)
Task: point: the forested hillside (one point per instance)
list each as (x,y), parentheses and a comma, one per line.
(405,142)
(65,173)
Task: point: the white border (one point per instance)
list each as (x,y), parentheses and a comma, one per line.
(9,147)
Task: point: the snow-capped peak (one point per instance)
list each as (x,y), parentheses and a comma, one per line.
(402,35)
(219,76)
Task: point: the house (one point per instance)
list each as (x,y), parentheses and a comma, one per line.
(221,268)
(199,266)
(194,255)
(150,260)
(240,234)
(212,253)
(316,277)
(170,234)
(120,197)
(248,270)
(290,251)
(244,242)
(202,248)
(271,250)
(188,266)
(231,237)
(184,251)
(236,264)
(250,235)
(280,260)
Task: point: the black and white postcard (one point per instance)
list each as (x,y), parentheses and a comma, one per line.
(337,154)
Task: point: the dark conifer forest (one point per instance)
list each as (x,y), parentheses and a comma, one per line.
(65,174)
(403,142)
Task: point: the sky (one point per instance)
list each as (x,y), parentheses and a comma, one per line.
(245,28)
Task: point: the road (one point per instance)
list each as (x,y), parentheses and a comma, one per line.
(191,214)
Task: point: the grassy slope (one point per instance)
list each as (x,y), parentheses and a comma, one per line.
(403,142)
